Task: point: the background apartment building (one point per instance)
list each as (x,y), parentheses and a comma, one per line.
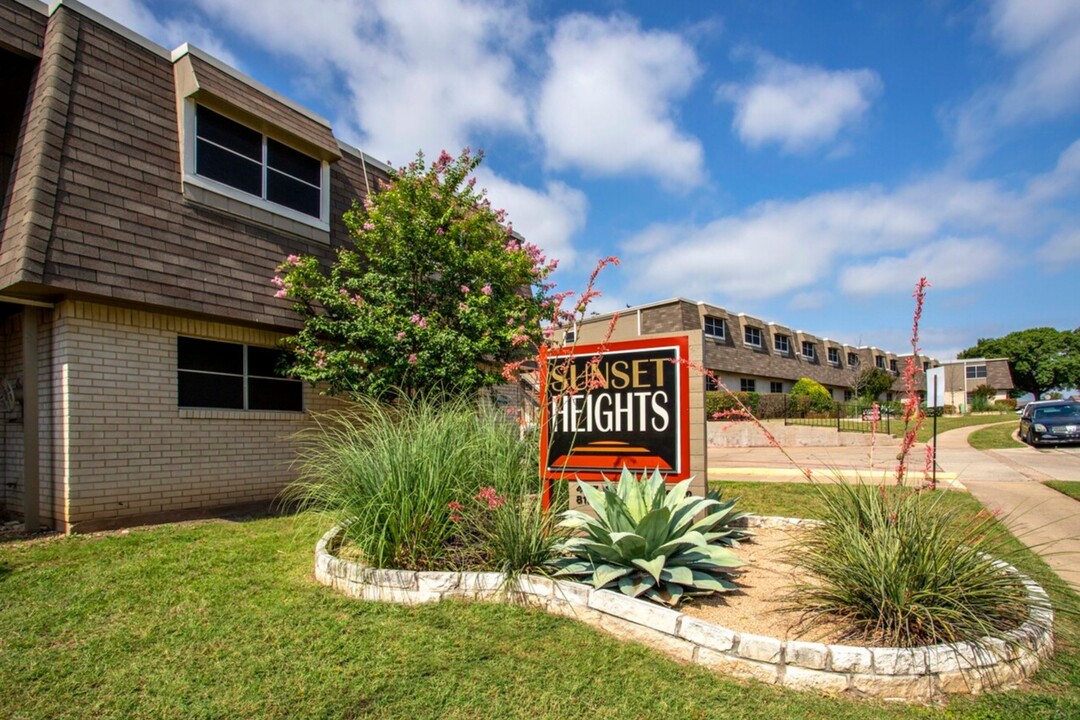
(148,196)
(751,355)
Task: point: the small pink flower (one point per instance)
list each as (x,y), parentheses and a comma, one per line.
(343,292)
(455,505)
(464,289)
(278,282)
(369,226)
(293,259)
(412,359)
(280,293)
(440,231)
(400,336)
(492,498)
(455,518)
(486,289)
(418,320)
(462,307)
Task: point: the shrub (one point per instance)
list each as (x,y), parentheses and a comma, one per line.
(820,399)
(896,567)
(393,470)
(1005,405)
(980,398)
(727,403)
(771,406)
(649,540)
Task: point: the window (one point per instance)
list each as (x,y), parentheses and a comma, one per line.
(892,367)
(975,372)
(245,159)
(747,385)
(782,343)
(776,387)
(569,337)
(712,381)
(714,328)
(214,374)
(808,351)
(834,356)
(852,359)
(925,366)
(752,336)
(879,360)
(848,394)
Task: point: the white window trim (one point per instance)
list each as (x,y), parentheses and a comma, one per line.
(748,343)
(219,188)
(776,344)
(713,336)
(828,353)
(812,355)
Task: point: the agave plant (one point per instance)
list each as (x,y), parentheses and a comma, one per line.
(647,542)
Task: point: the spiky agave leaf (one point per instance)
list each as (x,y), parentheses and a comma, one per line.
(647,540)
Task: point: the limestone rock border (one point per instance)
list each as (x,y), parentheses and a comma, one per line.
(920,674)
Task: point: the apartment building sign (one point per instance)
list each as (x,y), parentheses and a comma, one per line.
(623,404)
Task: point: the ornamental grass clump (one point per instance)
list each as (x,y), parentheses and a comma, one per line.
(895,567)
(395,473)
(663,546)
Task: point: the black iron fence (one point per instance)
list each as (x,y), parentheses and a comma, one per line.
(844,417)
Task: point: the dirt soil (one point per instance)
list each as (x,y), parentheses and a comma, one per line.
(758,606)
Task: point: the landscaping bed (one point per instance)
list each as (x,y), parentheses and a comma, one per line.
(889,673)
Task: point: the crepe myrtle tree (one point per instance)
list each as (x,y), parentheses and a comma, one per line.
(435,291)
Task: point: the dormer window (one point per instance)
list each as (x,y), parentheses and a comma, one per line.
(834,356)
(808,351)
(714,328)
(246,160)
(782,344)
(752,336)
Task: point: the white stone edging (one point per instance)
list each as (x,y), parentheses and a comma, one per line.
(921,673)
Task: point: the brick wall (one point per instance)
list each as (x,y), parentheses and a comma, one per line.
(119,446)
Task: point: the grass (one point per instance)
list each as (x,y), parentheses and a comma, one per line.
(995,437)
(950,422)
(222,619)
(1072,489)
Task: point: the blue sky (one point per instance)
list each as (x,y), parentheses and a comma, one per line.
(802,162)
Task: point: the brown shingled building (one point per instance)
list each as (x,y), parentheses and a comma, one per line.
(748,354)
(148,197)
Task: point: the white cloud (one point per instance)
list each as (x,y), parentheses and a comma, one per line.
(781,247)
(799,107)
(1042,39)
(952,262)
(1062,249)
(550,217)
(416,74)
(606,103)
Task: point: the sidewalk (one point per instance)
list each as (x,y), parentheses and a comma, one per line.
(1043,519)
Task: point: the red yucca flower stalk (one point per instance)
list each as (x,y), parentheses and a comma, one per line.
(913,414)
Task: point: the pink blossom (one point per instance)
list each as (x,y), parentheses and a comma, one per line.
(368,226)
(462,307)
(464,289)
(400,336)
(278,282)
(412,359)
(343,292)
(281,293)
(493,499)
(440,231)
(416,319)
(293,259)
(486,289)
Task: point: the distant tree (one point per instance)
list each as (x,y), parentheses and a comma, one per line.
(434,293)
(1040,359)
(871,382)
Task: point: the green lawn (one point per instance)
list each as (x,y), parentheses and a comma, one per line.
(952,422)
(995,437)
(222,619)
(1072,489)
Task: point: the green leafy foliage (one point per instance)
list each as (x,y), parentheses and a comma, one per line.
(980,397)
(434,293)
(396,473)
(818,398)
(728,405)
(1040,359)
(651,541)
(897,567)
(872,382)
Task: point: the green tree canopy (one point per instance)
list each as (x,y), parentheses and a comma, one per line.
(1040,359)
(871,382)
(435,292)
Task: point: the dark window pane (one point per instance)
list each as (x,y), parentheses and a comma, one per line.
(228,133)
(264,362)
(293,194)
(211,356)
(196,389)
(293,162)
(275,394)
(221,165)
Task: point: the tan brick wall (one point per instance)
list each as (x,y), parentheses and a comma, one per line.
(122,447)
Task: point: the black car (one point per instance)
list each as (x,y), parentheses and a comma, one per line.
(1051,421)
